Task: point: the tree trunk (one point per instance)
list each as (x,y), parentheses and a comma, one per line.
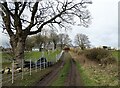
(61,46)
(55,45)
(18,46)
(40,47)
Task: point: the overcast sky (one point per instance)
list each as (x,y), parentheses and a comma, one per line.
(104,27)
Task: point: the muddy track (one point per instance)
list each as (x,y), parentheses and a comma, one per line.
(73,77)
(49,78)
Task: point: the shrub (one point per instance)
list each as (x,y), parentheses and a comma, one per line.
(100,55)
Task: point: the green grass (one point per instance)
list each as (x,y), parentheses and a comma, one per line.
(34,56)
(6,57)
(52,55)
(86,79)
(116,54)
(29,80)
(96,76)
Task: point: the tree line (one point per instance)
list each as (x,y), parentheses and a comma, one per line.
(47,40)
(52,40)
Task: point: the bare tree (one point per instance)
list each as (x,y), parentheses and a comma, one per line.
(29,44)
(54,38)
(64,40)
(20,18)
(82,41)
(40,40)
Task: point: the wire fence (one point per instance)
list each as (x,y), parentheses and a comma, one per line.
(7,78)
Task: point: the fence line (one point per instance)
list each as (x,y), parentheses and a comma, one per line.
(6,81)
(4,78)
(17,75)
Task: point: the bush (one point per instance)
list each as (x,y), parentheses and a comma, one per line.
(100,55)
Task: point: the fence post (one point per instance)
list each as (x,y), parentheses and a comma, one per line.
(48,52)
(22,67)
(47,63)
(40,64)
(36,65)
(42,53)
(13,72)
(56,57)
(30,66)
(44,63)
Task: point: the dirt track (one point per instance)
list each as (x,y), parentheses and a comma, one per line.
(72,79)
(46,81)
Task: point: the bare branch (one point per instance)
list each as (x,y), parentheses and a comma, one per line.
(23,7)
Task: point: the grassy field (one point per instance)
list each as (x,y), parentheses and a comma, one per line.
(116,54)
(28,79)
(34,56)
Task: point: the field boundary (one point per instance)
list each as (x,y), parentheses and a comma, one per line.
(14,76)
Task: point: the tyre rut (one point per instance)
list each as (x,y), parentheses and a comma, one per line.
(73,77)
(48,79)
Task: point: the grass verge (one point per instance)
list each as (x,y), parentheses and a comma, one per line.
(86,80)
(97,76)
(116,54)
(29,80)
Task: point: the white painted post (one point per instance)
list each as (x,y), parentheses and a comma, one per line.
(30,66)
(48,52)
(40,64)
(44,63)
(42,53)
(13,72)
(36,66)
(56,58)
(47,63)
(22,67)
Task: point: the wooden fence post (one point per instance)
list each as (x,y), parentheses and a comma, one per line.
(56,57)
(36,66)
(13,72)
(40,63)
(44,63)
(30,66)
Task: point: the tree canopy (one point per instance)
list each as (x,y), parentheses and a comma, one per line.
(20,19)
(82,41)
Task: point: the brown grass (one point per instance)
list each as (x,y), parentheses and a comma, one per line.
(101,75)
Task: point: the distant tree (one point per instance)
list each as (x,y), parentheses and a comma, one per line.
(29,44)
(54,38)
(64,40)
(82,41)
(19,18)
(41,40)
